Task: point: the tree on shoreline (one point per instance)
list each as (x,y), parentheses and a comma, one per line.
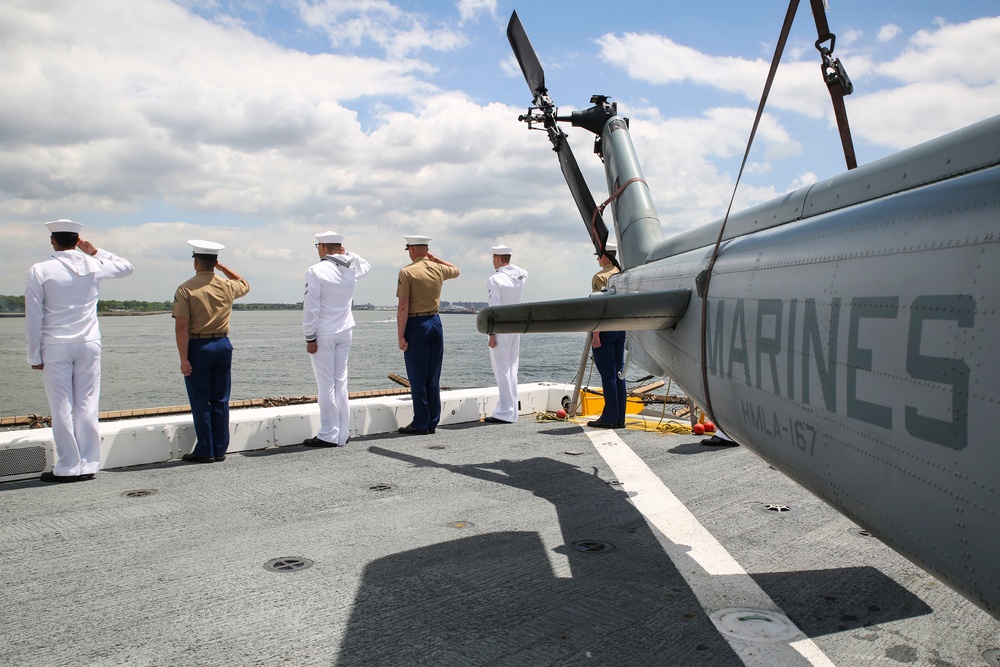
(11,304)
(15,304)
(115,306)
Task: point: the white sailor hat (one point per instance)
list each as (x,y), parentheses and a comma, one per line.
(205,247)
(417,240)
(610,246)
(64,225)
(502,250)
(330,238)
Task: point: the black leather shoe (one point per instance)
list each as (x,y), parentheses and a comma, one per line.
(494,420)
(316,442)
(191,458)
(620,425)
(409,430)
(431,431)
(716,441)
(220,459)
(52,478)
(89,476)
(599,424)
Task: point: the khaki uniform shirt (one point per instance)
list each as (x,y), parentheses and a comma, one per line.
(600,279)
(206,302)
(420,282)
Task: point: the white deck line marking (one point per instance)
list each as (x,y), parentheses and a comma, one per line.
(699,557)
(812,653)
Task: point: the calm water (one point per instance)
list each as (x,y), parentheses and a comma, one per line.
(141,367)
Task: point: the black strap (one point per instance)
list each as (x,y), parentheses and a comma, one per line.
(837,81)
(705,277)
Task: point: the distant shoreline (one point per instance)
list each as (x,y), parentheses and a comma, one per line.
(129,313)
(132,313)
(120,314)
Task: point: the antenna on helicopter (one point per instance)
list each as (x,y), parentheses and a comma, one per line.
(544,112)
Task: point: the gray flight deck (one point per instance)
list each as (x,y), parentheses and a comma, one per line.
(492,545)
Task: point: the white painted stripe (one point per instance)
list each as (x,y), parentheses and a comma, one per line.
(812,653)
(699,556)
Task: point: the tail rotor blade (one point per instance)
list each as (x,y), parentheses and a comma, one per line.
(526,57)
(582,196)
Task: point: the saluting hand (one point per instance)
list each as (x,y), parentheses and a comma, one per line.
(87,247)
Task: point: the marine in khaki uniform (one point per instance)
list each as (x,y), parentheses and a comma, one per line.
(421,337)
(201,312)
(609,353)
(600,280)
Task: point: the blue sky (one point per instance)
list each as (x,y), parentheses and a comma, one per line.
(258,124)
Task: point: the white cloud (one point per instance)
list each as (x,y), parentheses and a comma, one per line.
(263,146)
(944,79)
(848,37)
(797,86)
(397,31)
(965,53)
(903,117)
(643,55)
(510,67)
(678,156)
(889,32)
(802,180)
(470,10)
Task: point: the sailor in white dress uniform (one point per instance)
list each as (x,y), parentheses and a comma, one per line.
(64,342)
(327,323)
(505,287)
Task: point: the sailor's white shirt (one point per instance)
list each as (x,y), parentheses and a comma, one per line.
(60,298)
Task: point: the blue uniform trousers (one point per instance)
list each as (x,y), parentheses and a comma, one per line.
(610,361)
(423,357)
(208,392)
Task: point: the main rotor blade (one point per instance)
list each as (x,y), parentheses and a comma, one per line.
(526,58)
(582,196)
(535,76)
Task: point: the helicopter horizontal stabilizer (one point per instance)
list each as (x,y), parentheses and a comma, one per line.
(639,311)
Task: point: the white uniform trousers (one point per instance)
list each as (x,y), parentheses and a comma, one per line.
(504,359)
(72,376)
(330,368)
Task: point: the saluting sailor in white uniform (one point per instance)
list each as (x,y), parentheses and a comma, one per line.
(505,287)
(64,342)
(327,323)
